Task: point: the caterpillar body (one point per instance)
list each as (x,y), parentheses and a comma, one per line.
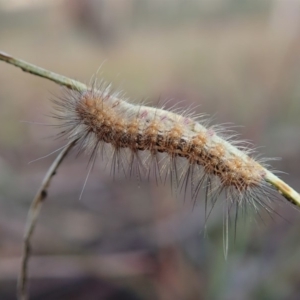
(141,139)
(172,144)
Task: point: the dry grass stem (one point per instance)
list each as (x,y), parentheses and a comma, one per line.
(289,193)
(32,217)
(87,100)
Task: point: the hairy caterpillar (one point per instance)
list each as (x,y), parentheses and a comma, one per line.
(167,143)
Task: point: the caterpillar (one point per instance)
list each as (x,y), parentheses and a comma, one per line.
(140,139)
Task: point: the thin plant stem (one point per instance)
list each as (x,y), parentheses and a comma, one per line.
(31,221)
(35,70)
(285,190)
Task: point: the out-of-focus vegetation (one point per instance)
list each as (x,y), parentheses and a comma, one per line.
(240,60)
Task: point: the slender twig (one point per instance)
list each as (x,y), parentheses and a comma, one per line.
(35,70)
(290,194)
(32,217)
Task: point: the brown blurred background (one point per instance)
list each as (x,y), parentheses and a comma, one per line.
(238,59)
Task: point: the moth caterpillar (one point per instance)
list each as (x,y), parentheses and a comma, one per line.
(175,145)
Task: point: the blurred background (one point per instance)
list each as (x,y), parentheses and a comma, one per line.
(239,60)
